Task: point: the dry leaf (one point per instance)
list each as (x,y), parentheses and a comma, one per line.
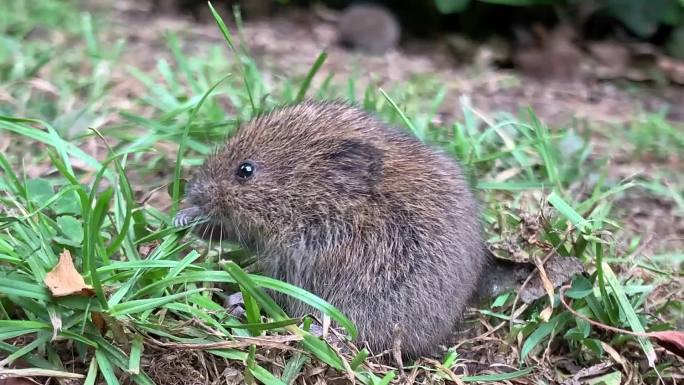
(27,375)
(559,270)
(548,287)
(545,315)
(44,85)
(64,280)
(507,174)
(56,322)
(546,283)
(99,322)
(671,340)
(616,356)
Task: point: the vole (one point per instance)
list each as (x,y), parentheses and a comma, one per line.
(370,28)
(359,212)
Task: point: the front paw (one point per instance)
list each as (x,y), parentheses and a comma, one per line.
(187,216)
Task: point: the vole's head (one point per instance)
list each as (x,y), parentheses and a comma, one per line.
(286,175)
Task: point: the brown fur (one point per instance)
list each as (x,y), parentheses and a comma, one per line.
(359,213)
(371,28)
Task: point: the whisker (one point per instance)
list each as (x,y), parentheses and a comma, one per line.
(220,242)
(211,237)
(204,232)
(239,236)
(192,225)
(192,228)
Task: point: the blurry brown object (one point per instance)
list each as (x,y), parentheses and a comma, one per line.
(483,55)
(99,322)
(612,58)
(548,54)
(639,62)
(200,11)
(369,28)
(672,68)
(463,48)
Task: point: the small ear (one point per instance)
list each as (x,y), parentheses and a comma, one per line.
(355,165)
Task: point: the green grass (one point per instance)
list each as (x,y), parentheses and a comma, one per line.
(152,283)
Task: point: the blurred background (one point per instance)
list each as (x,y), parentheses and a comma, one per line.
(568,59)
(474,45)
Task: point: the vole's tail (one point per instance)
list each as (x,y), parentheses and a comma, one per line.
(502,275)
(499,276)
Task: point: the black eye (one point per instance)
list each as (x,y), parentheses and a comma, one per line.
(245,170)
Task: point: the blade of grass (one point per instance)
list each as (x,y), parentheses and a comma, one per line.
(50,138)
(118,358)
(568,212)
(106,368)
(265,325)
(266,282)
(322,351)
(93,240)
(145,264)
(140,305)
(387,378)
(229,40)
(30,358)
(41,340)
(264,375)
(294,367)
(318,347)
(510,186)
(172,41)
(403,116)
(91,377)
(498,377)
(629,313)
(13,286)
(136,353)
(252,311)
(266,302)
(543,330)
(359,359)
(181,147)
(309,76)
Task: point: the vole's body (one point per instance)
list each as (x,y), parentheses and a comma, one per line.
(370,28)
(355,211)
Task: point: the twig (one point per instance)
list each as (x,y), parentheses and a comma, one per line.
(18,373)
(243,342)
(561,295)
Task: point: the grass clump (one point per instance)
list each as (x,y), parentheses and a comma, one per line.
(158,297)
